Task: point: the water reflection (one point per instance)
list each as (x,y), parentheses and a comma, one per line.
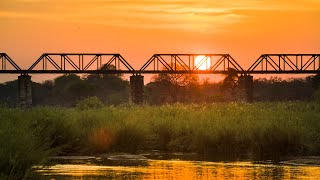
(176,169)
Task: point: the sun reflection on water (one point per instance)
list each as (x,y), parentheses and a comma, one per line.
(175,169)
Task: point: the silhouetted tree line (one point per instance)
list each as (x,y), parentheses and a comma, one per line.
(68,90)
(162,90)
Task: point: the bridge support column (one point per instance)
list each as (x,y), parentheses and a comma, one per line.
(246,88)
(25,91)
(136,87)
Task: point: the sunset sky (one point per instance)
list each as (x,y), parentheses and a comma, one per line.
(137,29)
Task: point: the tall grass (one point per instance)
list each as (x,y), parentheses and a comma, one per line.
(20,148)
(258,130)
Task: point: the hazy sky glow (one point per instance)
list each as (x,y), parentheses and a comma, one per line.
(138,29)
(188,15)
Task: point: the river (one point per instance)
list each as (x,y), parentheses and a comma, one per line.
(88,169)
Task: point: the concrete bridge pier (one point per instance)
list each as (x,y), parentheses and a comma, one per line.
(246,88)
(25,91)
(136,88)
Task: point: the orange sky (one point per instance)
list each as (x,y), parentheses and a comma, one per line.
(140,28)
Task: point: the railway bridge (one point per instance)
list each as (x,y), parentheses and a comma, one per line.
(88,63)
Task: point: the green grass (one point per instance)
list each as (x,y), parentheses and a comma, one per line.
(20,148)
(258,130)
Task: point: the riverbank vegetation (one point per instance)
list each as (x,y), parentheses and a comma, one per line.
(258,131)
(89,115)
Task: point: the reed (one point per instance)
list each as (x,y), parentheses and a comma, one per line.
(258,130)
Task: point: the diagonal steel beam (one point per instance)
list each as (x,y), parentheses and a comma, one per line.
(5,58)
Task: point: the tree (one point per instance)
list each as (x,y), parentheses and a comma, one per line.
(8,93)
(229,84)
(62,89)
(42,92)
(170,88)
(110,88)
(277,89)
(230,80)
(315,80)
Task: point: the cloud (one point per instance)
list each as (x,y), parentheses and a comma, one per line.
(189,15)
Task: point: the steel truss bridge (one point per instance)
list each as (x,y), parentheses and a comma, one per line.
(85,63)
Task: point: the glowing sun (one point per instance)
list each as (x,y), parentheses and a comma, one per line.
(202,62)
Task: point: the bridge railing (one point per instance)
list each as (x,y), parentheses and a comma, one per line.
(190,63)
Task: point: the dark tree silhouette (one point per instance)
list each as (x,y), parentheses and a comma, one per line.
(170,88)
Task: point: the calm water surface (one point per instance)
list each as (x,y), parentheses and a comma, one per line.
(177,169)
